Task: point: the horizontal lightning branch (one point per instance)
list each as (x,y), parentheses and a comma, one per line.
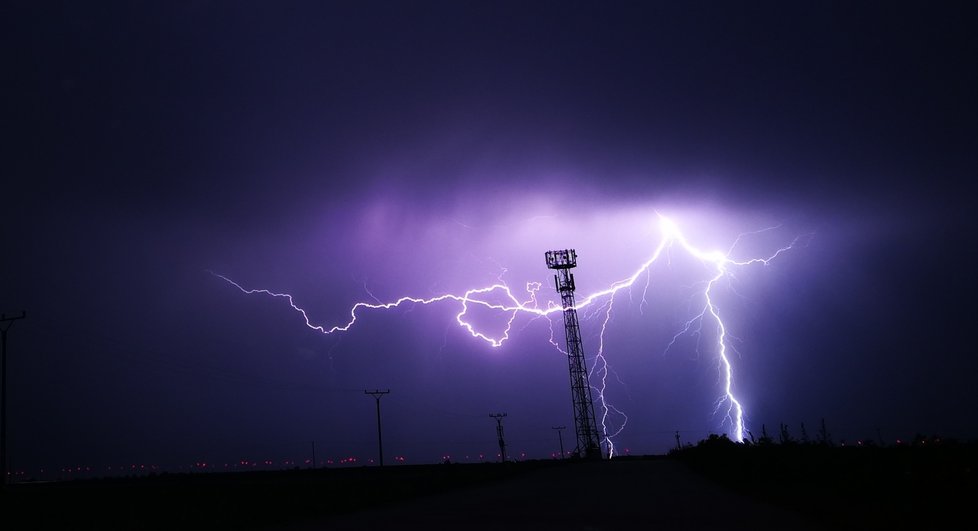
(513,306)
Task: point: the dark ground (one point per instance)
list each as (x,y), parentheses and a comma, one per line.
(928,484)
(712,488)
(634,494)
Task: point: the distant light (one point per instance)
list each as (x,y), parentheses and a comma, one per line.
(669,229)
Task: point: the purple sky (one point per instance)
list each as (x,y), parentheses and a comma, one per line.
(423,149)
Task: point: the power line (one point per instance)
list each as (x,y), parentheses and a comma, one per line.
(560,438)
(499,434)
(5,324)
(380,440)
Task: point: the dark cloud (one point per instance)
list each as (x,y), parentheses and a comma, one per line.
(421,149)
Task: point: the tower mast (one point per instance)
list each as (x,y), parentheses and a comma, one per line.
(588,440)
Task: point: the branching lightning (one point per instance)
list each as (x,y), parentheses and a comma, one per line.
(601,302)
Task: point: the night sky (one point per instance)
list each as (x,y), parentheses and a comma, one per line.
(363,152)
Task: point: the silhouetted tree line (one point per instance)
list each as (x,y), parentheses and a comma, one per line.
(927,481)
(823,439)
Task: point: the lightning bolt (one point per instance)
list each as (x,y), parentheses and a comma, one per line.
(513,305)
(600,366)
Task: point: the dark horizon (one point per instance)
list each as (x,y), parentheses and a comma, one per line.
(347,154)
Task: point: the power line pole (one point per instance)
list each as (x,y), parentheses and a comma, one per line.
(5,324)
(499,433)
(380,440)
(560,438)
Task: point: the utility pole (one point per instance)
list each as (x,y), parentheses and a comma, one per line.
(5,324)
(823,435)
(380,440)
(499,433)
(679,445)
(560,438)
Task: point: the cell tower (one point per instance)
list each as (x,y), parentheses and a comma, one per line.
(588,440)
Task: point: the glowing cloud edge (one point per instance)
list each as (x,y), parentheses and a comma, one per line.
(671,236)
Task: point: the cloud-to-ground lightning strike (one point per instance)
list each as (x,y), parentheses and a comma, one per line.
(720,263)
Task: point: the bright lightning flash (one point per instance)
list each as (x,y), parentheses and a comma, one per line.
(718,261)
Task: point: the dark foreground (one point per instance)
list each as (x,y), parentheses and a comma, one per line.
(634,494)
(711,489)
(923,486)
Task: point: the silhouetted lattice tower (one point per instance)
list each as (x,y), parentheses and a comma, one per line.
(588,440)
